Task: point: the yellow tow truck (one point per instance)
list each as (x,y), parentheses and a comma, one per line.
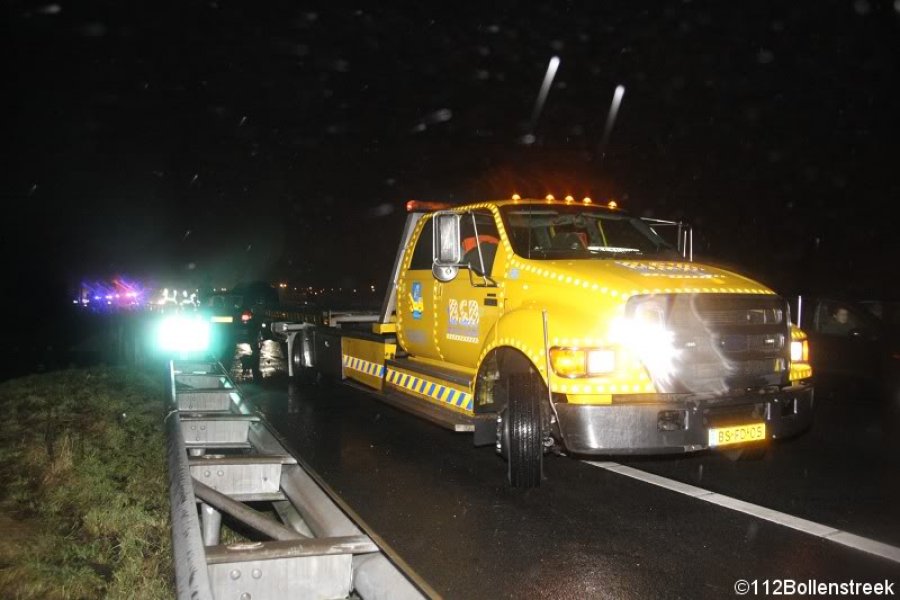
(570,326)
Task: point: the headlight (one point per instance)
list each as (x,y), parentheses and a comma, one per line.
(799,351)
(644,333)
(582,362)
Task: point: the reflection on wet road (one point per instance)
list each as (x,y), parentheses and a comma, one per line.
(243,366)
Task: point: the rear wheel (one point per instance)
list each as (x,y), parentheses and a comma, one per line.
(302,373)
(520,432)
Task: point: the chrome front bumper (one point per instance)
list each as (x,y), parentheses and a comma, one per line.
(680,425)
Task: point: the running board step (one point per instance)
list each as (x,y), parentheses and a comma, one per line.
(432,372)
(484,426)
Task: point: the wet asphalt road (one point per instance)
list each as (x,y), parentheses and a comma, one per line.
(444,507)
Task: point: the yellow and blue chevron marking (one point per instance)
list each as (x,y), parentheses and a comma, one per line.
(363,366)
(443,394)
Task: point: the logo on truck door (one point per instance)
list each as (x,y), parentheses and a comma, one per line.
(464,317)
(415,297)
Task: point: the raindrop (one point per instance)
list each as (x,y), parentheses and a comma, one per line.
(32,189)
(764,56)
(527,139)
(93,30)
(50,9)
(897,5)
(862,7)
(440,116)
(496,28)
(243,120)
(381,210)
(194,178)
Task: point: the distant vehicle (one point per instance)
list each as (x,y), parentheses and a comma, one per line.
(251,300)
(850,345)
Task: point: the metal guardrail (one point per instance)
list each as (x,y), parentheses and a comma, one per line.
(221,455)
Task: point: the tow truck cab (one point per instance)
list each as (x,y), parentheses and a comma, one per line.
(541,324)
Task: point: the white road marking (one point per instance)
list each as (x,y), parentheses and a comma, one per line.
(837,536)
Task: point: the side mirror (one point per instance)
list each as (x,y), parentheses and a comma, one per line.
(447,246)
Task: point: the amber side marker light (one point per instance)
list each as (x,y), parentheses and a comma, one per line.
(420,206)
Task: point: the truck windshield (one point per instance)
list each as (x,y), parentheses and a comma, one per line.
(561,232)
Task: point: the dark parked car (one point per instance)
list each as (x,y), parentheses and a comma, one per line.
(851,348)
(236,314)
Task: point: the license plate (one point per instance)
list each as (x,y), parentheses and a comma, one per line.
(221,319)
(725,436)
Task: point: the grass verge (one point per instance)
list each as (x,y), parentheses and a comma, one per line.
(84,510)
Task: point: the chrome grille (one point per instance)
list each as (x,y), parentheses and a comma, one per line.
(726,342)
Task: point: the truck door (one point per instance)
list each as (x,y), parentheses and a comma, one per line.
(469,305)
(415,298)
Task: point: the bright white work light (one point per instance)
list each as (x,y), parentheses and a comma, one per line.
(180,333)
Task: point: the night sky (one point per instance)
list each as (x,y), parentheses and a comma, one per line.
(223,141)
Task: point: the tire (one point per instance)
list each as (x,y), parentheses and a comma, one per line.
(520,429)
(302,373)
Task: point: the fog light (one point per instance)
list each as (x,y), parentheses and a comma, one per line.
(799,351)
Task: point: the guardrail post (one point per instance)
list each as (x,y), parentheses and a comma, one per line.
(211,520)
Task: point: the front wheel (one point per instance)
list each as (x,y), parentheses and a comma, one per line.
(520,432)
